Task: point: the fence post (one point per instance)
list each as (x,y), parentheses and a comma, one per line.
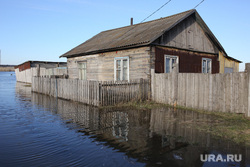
(247,70)
(140,89)
(56,87)
(152,94)
(38,70)
(175,78)
(100,94)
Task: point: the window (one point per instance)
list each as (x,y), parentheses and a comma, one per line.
(82,67)
(228,70)
(121,69)
(120,118)
(170,62)
(206,65)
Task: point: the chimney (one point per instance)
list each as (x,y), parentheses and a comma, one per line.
(131,21)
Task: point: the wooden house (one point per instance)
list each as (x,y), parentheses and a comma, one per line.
(182,40)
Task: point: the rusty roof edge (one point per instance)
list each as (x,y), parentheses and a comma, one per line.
(36,61)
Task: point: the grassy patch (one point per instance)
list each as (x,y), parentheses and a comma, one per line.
(230,126)
(138,105)
(235,127)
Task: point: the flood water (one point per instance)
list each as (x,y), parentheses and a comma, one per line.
(38,130)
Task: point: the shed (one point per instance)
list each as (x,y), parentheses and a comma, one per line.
(25,71)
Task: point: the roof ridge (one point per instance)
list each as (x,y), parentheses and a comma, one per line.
(115,38)
(167,17)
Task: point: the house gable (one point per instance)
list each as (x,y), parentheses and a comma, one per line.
(188,34)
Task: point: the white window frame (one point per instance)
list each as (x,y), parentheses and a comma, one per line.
(170,65)
(206,59)
(121,58)
(83,69)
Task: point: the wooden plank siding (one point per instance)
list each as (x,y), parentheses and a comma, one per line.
(100,67)
(93,92)
(189,61)
(188,34)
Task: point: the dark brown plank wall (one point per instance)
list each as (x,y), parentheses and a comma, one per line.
(189,61)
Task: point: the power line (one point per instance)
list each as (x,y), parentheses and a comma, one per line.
(155,11)
(145,18)
(149,16)
(199,4)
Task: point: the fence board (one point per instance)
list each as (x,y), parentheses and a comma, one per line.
(93,92)
(213,92)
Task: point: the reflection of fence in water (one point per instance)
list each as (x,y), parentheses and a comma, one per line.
(182,125)
(157,131)
(23,90)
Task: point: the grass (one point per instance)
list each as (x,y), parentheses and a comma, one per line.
(138,105)
(230,126)
(235,127)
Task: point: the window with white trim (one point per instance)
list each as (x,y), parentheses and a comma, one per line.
(206,65)
(170,63)
(82,68)
(121,69)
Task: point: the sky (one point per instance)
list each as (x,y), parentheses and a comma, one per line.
(43,30)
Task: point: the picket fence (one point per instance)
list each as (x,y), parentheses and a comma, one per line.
(95,93)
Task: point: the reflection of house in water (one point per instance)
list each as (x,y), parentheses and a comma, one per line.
(160,136)
(23,91)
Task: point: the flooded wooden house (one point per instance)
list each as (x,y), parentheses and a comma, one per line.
(131,52)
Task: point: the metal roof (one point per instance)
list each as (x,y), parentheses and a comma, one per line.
(129,36)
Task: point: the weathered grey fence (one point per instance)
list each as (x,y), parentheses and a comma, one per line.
(212,92)
(26,75)
(122,92)
(93,92)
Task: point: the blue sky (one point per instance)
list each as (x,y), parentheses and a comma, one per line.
(45,29)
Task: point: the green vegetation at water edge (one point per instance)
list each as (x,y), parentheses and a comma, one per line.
(235,127)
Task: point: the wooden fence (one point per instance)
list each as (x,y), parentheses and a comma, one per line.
(93,92)
(212,92)
(26,75)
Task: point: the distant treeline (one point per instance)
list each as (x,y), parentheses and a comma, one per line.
(7,65)
(7,68)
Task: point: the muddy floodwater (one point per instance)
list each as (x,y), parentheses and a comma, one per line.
(38,130)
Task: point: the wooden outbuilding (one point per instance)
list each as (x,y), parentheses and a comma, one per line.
(25,71)
(182,40)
